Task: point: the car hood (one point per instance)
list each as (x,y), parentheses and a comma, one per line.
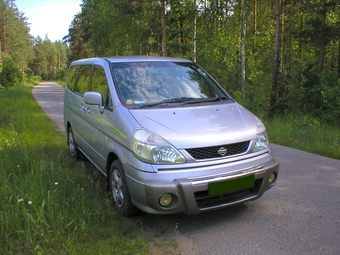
(201,126)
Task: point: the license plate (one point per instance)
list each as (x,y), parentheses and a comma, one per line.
(231,185)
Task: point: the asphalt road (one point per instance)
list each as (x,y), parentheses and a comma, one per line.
(300,215)
(50,97)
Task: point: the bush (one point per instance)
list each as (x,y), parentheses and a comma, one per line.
(10,75)
(331,105)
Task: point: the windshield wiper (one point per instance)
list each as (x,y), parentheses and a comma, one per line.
(183,100)
(213,99)
(169,101)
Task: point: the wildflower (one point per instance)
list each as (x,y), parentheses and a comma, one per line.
(56,183)
(18,166)
(20,200)
(29,202)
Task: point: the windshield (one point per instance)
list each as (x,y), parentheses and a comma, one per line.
(153,83)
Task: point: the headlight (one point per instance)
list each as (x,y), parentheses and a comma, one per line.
(261,141)
(152,148)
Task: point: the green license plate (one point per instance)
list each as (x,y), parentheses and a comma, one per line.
(231,185)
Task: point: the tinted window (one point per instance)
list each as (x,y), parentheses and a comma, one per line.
(99,84)
(71,78)
(83,79)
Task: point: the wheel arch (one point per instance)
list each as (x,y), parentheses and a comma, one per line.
(68,125)
(110,158)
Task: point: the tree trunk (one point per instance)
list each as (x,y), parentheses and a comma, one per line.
(255,25)
(339,59)
(164,40)
(0,55)
(322,51)
(276,55)
(338,73)
(243,46)
(194,33)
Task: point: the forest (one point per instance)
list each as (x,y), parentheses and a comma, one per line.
(276,57)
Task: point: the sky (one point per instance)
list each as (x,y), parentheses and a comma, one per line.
(49,17)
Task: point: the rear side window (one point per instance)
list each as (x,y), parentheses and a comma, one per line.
(71,79)
(83,79)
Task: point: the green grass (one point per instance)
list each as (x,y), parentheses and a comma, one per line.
(49,203)
(306,134)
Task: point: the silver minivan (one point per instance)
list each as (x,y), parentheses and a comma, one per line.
(166,135)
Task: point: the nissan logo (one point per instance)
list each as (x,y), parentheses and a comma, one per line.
(222,151)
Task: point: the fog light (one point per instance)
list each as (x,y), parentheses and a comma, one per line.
(272,178)
(165,200)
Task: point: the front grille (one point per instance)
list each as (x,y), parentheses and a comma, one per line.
(203,199)
(212,152)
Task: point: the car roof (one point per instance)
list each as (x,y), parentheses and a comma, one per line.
(143,59)
(124,59)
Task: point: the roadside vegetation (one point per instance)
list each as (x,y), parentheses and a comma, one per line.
(49,203)
(304,133)
(276,57)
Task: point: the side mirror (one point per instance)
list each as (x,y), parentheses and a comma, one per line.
(93,98)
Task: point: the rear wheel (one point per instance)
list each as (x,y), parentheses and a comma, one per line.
(72,146)
(119,190)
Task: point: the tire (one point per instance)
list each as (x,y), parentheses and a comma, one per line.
(118,190)
(72,145)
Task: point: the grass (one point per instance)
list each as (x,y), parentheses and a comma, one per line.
(49,203)
(306,134)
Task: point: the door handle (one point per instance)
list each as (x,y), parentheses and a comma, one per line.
(86,109)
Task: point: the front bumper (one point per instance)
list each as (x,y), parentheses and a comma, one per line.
(190,190)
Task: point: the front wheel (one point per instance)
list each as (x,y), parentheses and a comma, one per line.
(118,190)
